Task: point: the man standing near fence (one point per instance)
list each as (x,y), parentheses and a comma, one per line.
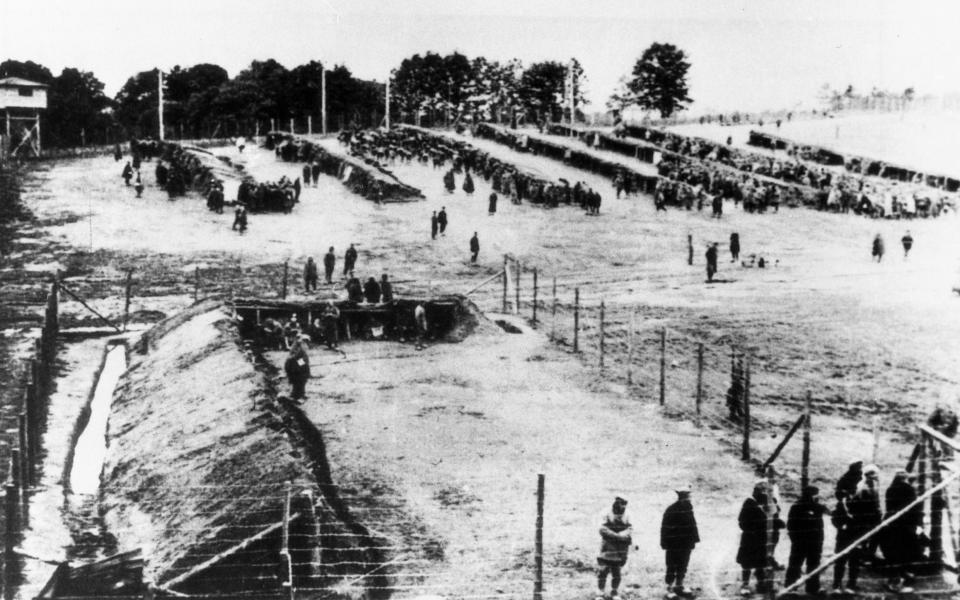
(752,553)
(678,536)
(615,539)
(805,528)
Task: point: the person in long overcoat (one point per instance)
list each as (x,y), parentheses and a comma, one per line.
(678,536)
(371,291)
(877,251)
(297,367)
(310,275)
(900,543)
(492,204)
(615,539)
(711,256)
(805,528)
(468,186)
(752,553)
(329,263)
(474,247)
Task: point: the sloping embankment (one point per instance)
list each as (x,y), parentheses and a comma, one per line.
(197,458)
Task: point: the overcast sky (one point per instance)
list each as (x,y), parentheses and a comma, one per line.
(744,54)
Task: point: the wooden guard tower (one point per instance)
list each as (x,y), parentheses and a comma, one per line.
(21,101)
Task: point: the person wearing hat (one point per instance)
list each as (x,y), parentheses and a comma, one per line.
(678,536)
(805,528)
(752,553)
(866,512)
(900,543)
(849,481)
(615,539)
(297,367)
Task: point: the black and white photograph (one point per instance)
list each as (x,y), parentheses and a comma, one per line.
(501,300)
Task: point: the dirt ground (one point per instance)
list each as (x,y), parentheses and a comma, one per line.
(458,433)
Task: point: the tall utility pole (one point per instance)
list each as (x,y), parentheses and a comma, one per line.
(160,103)
(388,103)
(323,99)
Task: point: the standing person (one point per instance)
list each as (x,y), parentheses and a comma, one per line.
(877,251)
(349,259)
(474,247)
(907,241)
(310,275)
(315,172)
(354,289)
(386,289)
(752,553)
(678,536)
(805,528)
(330,320)
(296,190)
(468,184)
(616,535)
(127,173)
(420,321)
(492,204)
(866,512)
(711,261)
(849,482)
(117,154)
(329,263)
(734,247)
(442,220)
(900,544)
(371,291)
(449,182)
(139,185)
(434,225)
(306,174)
(297,367)
(843,521)
(240,218)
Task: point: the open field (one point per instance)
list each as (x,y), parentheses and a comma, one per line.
(457,434)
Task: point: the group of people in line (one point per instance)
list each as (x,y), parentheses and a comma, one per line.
(857,513)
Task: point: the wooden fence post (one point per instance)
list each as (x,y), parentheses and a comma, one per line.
(538,542)
(535,285)
(576,319)
(506,266)
(553,315)
(602,332)
(25,466)
(937,505)
(516,289)
(126,303)
(699,379)
(633,314)
(805,460)
(12,500)
(745,450)
(286,267)
(16,468)
(663,366)
(689,249)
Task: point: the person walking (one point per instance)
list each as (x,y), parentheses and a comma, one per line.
(297,367)
(329,263)
(349,259)
(310,275)
(711,255)
(434,225)
(752,552)
(474,247)
(734,247)
(907,241)
(240,219)
(678,536)
(442,220)
(805,528)
(616,535)
(877,251)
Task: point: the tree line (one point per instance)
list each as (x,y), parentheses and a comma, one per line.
(430,89)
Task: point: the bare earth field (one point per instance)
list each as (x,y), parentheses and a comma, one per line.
(448,442)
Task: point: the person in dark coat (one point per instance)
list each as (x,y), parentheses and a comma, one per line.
(805,528)
(492,205)
(306,175)
(434,225)
(877,251)
(371,291)
(127,173)
(474,247)
(843,522)
(354,289)
(349,259)
(907,241)
(139,185)
(310,275)
(442,220)
(386,289)
(616,535)
(297,367)
(315,173)
(678,536)
(330,321)
(240,219)
(752,553)
(449,182)
(900,544)
(711,255)
(734,247)
(865,510)
(468,184)
(296,190)
(849,481)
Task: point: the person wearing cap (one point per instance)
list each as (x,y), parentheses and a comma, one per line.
(900,543)
(616,535)
(805,528)
(678,536)
(866,512)
(297,367)
(752,553)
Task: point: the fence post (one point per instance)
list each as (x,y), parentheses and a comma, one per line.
(663,366)
(10,540)
(745,451)
(805,461)
(505,272)
(516,289)
(538,542)
(535,285)
(937,505)
(689,249)
(126,303)
(602,331)
(286,267)
(576,319)
(699,379)
(553,311)
(16,471)
(24,450)
(876,438)
(633,314)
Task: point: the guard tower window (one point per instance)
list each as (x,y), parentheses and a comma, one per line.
(25,91)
